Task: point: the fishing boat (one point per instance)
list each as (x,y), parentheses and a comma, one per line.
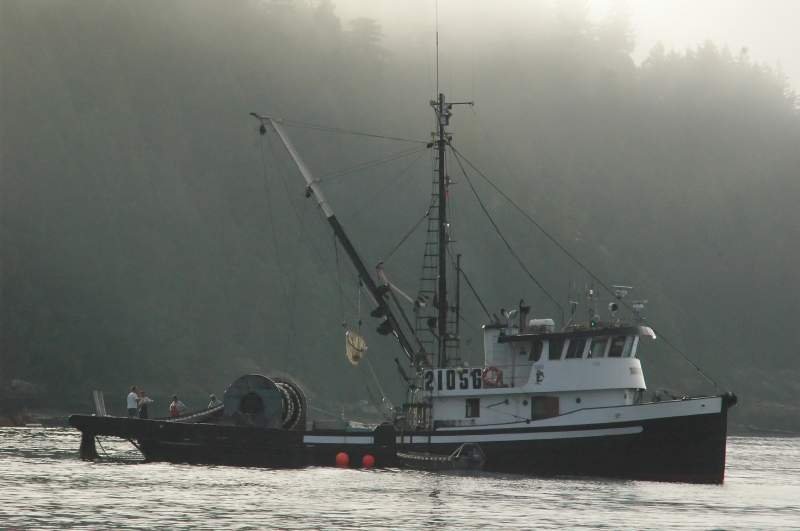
(547,400)
(565,399)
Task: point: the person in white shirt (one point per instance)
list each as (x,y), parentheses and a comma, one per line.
(133,402)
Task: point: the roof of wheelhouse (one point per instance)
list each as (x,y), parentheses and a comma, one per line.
(626,330)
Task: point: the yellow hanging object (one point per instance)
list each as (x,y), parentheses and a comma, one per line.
(355,347)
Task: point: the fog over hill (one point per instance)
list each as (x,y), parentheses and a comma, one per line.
(150,235)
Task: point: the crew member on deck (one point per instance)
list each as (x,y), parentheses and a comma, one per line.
(176,407)
(143,401)
(214,401)
(133,402)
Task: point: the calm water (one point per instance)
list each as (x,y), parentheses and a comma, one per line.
(43,484)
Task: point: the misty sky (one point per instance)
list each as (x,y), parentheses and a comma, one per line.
(768,28)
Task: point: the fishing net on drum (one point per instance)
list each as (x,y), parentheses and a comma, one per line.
(355,347)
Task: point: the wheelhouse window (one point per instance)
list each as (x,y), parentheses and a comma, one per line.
(575,348)
(473,407)
(554,350)
(536,350)
(543,407)
(598,347)
(632,351)
(618,347)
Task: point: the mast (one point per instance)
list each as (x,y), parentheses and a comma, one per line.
(443,115)
(446,331)
(390,324)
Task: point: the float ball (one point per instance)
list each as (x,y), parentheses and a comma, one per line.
(342,460)
(368,461)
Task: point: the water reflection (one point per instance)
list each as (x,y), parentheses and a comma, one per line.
(45,485)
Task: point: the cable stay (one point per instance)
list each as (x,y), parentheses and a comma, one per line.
(408,234)
(327,129)
(502,237)
(459,156)
(472,289)
(328,177)
(390,324)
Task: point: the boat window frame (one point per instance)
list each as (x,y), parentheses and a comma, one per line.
(634,348)
(562,342)
(472,408)
(539,352)
(575,355)
(625,346)
(594,341)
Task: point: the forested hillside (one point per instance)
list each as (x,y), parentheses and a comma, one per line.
(150,235)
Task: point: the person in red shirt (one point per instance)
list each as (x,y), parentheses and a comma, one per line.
(176,407)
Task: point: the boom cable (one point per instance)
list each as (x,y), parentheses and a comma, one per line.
(502,237)
(471,287)
(408,234)
(575,259)
(317,127)
(370,164)
(370,201)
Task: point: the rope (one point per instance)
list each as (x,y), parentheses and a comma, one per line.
(300,220)
(370,201)
(269,207)
(407,235)
(503,238)
(369,164)
(475,293)
(317,127)
(96,438)
(339,282)
(572,257)
(378,383)
(288,299)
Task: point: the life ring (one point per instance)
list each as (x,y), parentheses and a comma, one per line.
(492,377)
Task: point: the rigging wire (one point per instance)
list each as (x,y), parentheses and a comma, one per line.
(384,399)
(472,288)
(408,234)
(370,164)
(437,49)
(275,246)
(327,129)
(299,218)
(502,237)
(370,201)
(339,288)
(578,262)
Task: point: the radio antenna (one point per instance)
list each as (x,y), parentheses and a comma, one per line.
(437,47)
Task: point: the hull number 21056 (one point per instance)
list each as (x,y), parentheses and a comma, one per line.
(452,379)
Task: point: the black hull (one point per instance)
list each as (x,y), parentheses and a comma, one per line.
(687,448)
(680,449)
(220,444)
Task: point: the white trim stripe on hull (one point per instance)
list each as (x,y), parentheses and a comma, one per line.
(612,415)
(529,436)
(337,439)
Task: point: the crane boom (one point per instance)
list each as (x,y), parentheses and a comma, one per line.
(376,292)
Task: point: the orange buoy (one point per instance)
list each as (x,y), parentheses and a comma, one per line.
(368,461)
(342,460)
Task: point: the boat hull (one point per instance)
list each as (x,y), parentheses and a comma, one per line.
(222,444)
(680,441)
(680,449)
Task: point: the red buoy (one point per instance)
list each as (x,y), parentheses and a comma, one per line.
(368,461)
(342,460)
